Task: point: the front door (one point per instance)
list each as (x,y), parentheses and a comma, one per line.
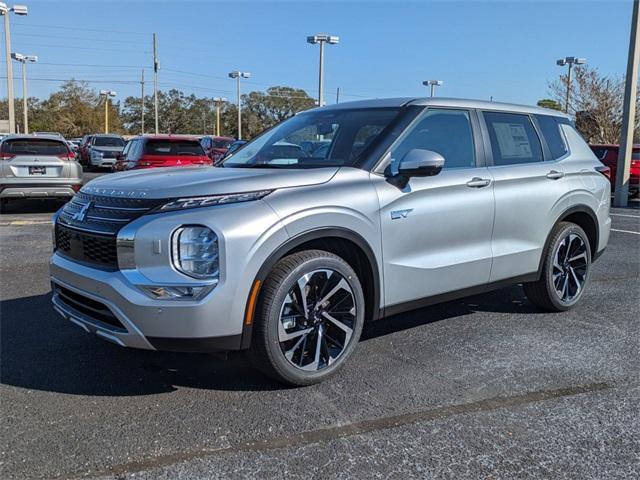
(436,231)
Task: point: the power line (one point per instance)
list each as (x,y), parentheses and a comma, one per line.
(36,25)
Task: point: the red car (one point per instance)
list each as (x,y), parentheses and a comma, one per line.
(608,154)
(216,147)
(161,151)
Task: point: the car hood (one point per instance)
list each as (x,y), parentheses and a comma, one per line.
(201,181)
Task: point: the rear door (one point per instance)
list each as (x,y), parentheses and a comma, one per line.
(35,160)
(528,182)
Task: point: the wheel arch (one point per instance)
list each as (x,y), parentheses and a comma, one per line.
(585,218)
(345,243)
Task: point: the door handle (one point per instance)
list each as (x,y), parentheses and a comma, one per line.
(477,182)
(555,175)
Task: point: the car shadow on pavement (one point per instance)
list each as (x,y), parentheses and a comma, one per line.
(18,206)
(41,351)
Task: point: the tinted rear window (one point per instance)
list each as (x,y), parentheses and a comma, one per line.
(34,146)
(108,142)
(173,147)
(599,152)
(551,133)
(222,143)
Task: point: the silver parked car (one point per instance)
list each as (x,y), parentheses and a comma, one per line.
(37,167)
(287,254)
(103,150)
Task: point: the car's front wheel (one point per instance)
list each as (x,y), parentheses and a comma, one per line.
(565,269)
(308,319)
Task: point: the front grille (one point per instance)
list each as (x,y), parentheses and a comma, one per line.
(97,250)
(88,225)
(102,214)
(92,309)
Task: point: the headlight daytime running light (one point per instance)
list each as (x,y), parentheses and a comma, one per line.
(212,200)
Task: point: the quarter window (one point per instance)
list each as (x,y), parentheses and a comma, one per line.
(447,132)
(551,132)
(513,138)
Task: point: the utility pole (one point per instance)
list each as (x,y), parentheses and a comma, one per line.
(628,113)
(106,94)
(322,38)
(4,11)
(569,61)
(218,101)
(338,95)
(156,65)
(142,102)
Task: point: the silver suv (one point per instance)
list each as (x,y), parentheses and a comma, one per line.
(37,167)
(287,251)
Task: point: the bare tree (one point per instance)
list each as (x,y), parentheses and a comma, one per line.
(596,102)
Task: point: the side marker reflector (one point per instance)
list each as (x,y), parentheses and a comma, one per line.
(252,302)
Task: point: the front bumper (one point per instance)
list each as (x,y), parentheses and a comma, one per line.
(102,162)
(136,320)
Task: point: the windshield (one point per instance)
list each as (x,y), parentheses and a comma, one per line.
(108,142)
(322,138)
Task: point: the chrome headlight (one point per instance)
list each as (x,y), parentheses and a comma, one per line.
(209,201)
(195,252)
(96,154)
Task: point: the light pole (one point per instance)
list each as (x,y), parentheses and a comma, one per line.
(322,38)
(238,75)
(570,62)
(218,101)
(623,166)
(4,11)
(106,94)
(433,84)
(24,59)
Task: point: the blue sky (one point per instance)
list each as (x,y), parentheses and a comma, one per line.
(504,49)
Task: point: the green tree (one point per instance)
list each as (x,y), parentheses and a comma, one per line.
(549,103)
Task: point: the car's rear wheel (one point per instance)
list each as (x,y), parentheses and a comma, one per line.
(565,270)
(308,319)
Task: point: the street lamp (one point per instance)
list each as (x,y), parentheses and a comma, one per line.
(24,59)
(4,11)
(238,75)
(218,101)
(322,38)
(433,84)
(569,61)
(106,94)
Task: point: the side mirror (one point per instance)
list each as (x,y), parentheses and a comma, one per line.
(420,163)
(118,156)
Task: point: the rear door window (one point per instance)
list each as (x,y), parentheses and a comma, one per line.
(173,147)
(551,132)
(34,146)
(513,138)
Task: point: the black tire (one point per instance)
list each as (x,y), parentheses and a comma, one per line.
(267,351)
(543,293)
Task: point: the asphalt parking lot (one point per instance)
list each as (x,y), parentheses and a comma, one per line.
(485,387)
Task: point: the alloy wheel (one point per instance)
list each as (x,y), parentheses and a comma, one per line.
(317,319)
(570,266)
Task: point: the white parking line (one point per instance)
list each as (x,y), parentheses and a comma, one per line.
(624,215)
(624,231)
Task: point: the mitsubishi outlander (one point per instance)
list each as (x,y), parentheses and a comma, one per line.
(335,217)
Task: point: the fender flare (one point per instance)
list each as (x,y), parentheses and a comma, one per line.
(304,237)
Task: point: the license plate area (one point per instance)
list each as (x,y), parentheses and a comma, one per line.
(37,170)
